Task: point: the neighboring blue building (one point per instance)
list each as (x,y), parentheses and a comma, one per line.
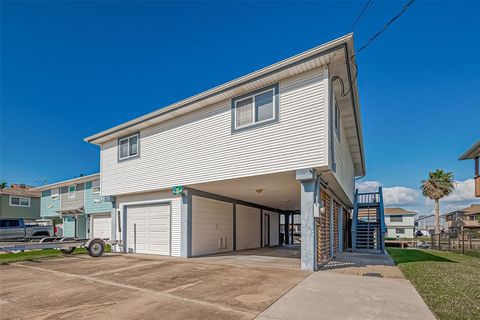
(84,213)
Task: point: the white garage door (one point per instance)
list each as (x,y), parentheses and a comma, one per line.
(212,226)
(101,226)
(152,229)
(248,227)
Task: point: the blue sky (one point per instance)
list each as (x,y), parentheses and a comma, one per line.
(71,69)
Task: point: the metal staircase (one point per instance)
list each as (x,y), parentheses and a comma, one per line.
(368,223)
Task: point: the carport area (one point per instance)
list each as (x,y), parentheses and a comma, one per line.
(245,219)
(138,286)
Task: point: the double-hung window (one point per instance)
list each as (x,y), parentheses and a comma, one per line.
(397,218)
(19,201)
(128,147)
(71,191)
(256,108)
(96,186)
(54,194)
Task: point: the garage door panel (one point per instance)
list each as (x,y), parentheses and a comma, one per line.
(212,226)
(101,226)
(152,228)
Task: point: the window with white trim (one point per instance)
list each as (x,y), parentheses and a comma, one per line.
(400,231)
(128,147)
(397,218)
(54,194)
(255,108)
(71,191)
(96,186)
(17,201)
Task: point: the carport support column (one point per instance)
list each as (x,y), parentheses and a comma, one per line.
(186,224)
(307,178)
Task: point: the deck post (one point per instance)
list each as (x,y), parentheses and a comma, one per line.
(307,178)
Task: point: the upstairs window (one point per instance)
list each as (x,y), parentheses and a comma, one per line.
(19,201)
(257,108)
(71,191)
(128,147)
(54,194)
(96,186)
(396,218)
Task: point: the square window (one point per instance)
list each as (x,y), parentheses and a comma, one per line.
(96,186)
(71,191)
(128,147)
(257,108)
(15,201)
(25,202)
(54,194)
(397,218)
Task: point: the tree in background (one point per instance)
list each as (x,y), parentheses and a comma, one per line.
(3,185)
(438,185)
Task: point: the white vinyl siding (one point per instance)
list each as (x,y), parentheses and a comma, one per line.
(154,197)
(344,171)
(248,227)
(212,226)
(202,142)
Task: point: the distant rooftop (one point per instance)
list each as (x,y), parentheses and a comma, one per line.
(398,211)
(20,190)
(473,209)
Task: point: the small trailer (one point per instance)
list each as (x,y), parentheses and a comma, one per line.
(95,246)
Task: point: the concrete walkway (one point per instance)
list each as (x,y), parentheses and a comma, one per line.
(341,291)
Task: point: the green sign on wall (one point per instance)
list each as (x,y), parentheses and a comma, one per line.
(177,190)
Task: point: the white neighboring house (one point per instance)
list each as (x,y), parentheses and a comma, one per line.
(214,172)
(400,223)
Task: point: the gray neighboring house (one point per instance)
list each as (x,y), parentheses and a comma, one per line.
(19,201)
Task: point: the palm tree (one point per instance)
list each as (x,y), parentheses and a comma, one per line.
(438,185)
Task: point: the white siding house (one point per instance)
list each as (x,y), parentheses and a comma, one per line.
(400,223)
(240,155)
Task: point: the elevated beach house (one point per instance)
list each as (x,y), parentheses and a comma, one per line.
(213,173)
(78,205)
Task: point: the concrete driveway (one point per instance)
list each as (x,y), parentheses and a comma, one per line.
(139,287)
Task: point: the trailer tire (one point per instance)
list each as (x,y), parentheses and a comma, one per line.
(96,248)
(68,250)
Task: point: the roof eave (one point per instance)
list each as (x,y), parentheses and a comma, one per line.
(67,182)
(94,139)
(472,152)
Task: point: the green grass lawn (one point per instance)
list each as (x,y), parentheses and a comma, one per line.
(449,283)
(35,255)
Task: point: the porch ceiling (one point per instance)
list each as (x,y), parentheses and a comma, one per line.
(278,190)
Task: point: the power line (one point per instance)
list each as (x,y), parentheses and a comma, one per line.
(376,35)
(369,2)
